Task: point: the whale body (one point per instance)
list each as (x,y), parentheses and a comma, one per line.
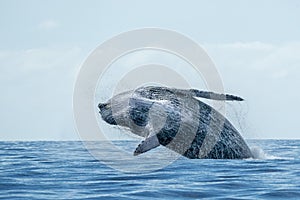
(178,120)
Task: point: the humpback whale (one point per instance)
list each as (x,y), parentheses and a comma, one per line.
(178,120)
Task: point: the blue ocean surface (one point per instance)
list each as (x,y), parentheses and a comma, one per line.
(67,170)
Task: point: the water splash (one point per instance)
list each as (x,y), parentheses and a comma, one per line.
(258,153)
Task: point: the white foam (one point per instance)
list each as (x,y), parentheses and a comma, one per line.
(258,153)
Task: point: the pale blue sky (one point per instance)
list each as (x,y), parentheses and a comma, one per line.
(255,45)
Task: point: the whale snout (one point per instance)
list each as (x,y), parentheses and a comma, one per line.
(103,106)
(106,113)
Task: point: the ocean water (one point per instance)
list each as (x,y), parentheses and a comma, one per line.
(67,170)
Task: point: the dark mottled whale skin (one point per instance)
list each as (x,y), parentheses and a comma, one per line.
(189,127)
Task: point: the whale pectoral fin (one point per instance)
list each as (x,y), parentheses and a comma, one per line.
(146,145)
(215,96)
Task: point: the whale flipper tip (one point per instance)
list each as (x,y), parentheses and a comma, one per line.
(146,145)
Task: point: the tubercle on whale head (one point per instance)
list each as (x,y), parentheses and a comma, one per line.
(106,113)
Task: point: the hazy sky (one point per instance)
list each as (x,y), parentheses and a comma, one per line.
(254,44)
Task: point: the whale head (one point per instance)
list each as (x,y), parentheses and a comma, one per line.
(122,110)
(127,109)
